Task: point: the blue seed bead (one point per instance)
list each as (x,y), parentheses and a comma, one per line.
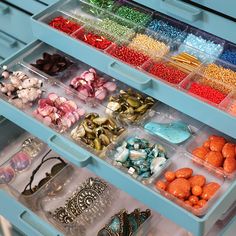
(229,56)
(163,31)
(210,49)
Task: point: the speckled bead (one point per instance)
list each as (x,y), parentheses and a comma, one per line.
(210,49)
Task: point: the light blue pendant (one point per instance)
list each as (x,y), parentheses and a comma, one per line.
(175,132)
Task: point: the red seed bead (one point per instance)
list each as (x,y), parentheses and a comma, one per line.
(129,56)
(207,92)
(63,24)
(168,73)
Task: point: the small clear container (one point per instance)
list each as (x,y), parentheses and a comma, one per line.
(172,31)
(141,134)
(82,10)
(59,15)
(26,92)
(36,53)
(77,134)
(213,45)
(129,118)
(116,51)
(199,80)
(156,69)
(229,53)
(137,10)
(168,115)
(82,200)
(184,160)
(199,140)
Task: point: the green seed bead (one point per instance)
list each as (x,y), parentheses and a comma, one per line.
(133,15)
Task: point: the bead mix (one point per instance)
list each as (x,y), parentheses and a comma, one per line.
(129,106)
(90,85)
(142,158)
(58,111)
(165,31)
(148,46)
(97,131)
(211,50)
(65,25)
(133,15)
(21,89)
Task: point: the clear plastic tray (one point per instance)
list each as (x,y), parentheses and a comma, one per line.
(182,160)
(164,115)
(90,196)
(198,141)
(23,169)
(139,133)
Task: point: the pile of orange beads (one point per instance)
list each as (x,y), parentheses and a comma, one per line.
(217,152)
(191,189)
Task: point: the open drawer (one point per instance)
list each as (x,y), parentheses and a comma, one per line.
(89,203)
(137,73)
(99,161)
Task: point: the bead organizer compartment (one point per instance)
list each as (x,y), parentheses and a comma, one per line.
(215,150)
(81,201)
(87,199)
(22,157)
(140,155)
(229,53)
(171,125)
(179,178)
(50,62)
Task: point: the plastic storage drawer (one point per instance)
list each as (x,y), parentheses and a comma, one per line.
(81,156)
(135,76)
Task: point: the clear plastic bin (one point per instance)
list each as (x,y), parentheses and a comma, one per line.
(198,141)
(139,133)
(183,160)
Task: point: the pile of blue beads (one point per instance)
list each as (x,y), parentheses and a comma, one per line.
(210,49)
(163,31)
(229,56)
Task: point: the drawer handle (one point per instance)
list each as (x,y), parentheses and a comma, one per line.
(129,75)
(7,41)
(182,9)
(74,153)
(4,9)
(35,225)
(24,219)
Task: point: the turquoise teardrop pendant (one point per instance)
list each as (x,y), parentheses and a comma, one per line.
(175,132)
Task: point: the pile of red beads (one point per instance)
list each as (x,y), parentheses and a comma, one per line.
(94,40)
(167,72)
(128,55)
(89,84)
(207,92)
(59,111)
(64,25)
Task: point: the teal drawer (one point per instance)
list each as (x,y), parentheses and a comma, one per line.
(226,7)
(136,77)
(82,157)
(198,17)
(9,45)
(15,23)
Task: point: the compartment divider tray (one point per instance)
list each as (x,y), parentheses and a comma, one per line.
(83,158)
(214,116)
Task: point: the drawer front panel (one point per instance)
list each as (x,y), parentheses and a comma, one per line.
(31,6)
(9,45)
(15,23)
(228,8)
(196,17)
